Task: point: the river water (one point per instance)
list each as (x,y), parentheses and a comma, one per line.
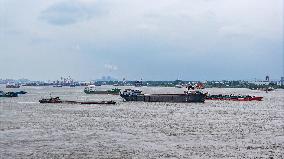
(214,129)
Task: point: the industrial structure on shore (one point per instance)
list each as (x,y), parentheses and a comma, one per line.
(138,83)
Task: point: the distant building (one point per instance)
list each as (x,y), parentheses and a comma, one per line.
(267,78)
(265,82)
(281,82)
(106,78)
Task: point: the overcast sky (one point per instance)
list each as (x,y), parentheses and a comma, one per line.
(149,39)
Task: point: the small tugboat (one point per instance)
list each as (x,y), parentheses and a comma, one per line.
(55,100)
(233,97)
(91,89)
(51,100)
(187,97)
(8,94)
(199,85)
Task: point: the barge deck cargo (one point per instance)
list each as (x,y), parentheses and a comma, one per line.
(135,95)
(58,100)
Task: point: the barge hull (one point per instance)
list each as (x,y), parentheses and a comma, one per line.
(173,98)
(238,99)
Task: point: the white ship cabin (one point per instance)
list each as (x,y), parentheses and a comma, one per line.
(178,86)
(90,88)
(131,92)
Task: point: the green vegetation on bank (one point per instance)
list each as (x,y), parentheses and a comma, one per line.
(207,84)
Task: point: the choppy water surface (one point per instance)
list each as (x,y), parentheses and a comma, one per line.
(217,129)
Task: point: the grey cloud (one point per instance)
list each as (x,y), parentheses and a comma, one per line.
(70,12)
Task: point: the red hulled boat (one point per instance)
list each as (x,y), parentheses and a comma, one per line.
(233,97)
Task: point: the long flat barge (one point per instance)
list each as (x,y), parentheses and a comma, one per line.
(56,100)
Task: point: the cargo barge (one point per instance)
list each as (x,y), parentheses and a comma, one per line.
(234,97)
(55,100)
(187,97)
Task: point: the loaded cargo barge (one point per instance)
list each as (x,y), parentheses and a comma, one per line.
(91,89)
(188,97)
